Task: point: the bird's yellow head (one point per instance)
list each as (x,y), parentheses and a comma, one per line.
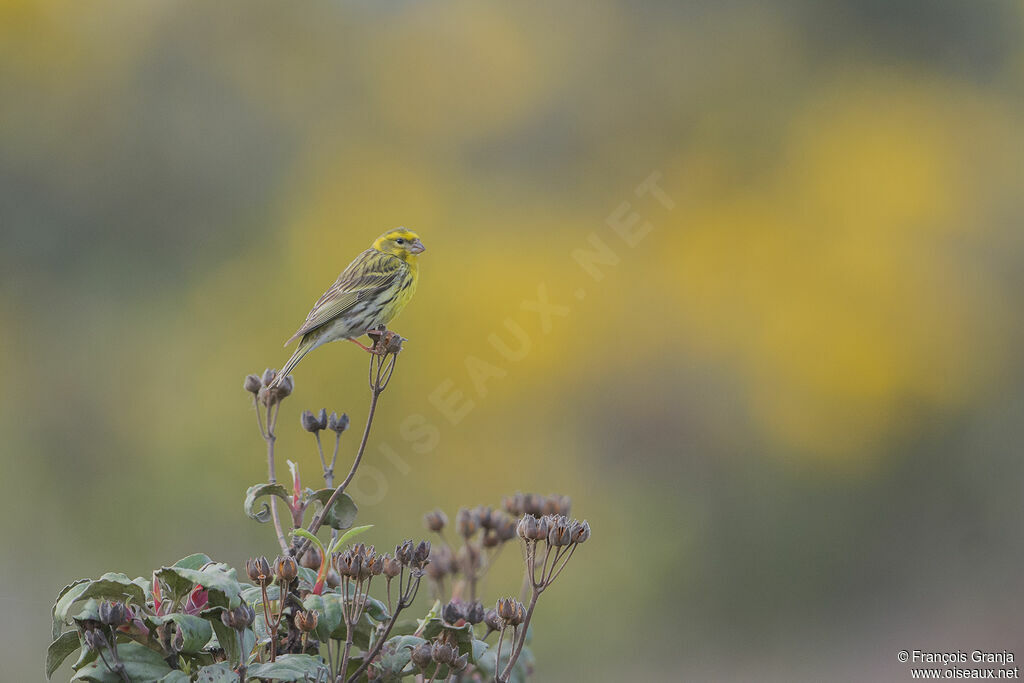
(404,244)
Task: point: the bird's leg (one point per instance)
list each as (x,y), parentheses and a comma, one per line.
(364,347)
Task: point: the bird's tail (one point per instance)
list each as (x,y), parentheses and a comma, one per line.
(304,347)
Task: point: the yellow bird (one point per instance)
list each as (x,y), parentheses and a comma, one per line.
(368,294)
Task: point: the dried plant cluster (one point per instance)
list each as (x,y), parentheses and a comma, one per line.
(325,609)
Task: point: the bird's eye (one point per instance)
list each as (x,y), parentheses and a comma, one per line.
(400,241)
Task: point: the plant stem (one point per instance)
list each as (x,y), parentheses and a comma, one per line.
(318,520)
(497,652)
(270,437)
(404,600)
(349,633)
(518,642)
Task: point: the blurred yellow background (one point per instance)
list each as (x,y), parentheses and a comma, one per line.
(791,410)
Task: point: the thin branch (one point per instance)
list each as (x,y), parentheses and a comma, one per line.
(404,600)
(385,367)
(270,437)
(518,642)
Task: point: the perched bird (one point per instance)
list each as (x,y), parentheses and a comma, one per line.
(369,293)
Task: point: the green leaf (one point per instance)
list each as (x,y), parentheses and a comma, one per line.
(85,656)
(307,577)
(219,579)
(88,610)
(60,649)
(177,676)
(258,491)
(463,635)
(395,656)
(290,668)
(349,535)
(328,608)
(227,638)
(110,586)
(195,631)
(115,586)
(217,673)
(146,585)
(479,650)
(194,561)
(343,511)
(63,602)
(140,664)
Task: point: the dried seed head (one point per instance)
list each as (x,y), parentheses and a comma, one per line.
(113,613)
(506,609)
(443,653)
(309,422)
(349,564)
(404,552)
(95,640)
(560,533)
(306,620)
(311,558)
(258,570)
(421,555)
(337,424)
(513,504)
(441,562)
(333,578)
(460,663)
(520,615)
(375,564)
(492,620)
(321,419)
(543,525)
(391,567)
(453,612)
(490,539)
(485,517)
(533,504)
(580,531)
(465,523)
(392,342)
(240,617)
(527,528)
(511,611)
(561,504)
(435,520)
(268,395)
(286,569)
(244,615)
(506,529)
(252,384)
(475,613)
(422,655)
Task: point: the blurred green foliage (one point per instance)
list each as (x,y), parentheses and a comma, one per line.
(792,412)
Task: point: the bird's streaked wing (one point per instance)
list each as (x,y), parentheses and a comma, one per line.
(370,273)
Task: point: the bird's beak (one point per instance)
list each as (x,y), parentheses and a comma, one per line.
(417,247)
